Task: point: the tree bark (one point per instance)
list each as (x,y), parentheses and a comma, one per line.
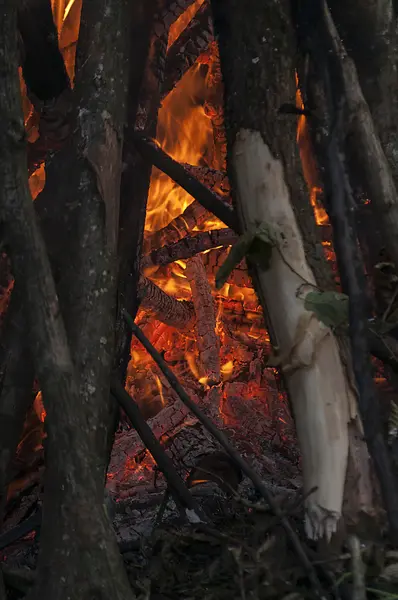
(257,50)
(75,524)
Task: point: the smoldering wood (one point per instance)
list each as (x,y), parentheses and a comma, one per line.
(209,200)
(146,59)
(189,246)
(172,9)
(169,310)
(207,339)
(238,460)
(211,178)
(176,485)
(71,470)
(193,216)
(187,48)
(130,445)
(214,106)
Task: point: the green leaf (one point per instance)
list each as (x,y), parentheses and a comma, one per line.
(331,308)
(255,243)
(236,254)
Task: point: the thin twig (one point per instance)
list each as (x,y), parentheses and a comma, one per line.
(225,443)
(358,569)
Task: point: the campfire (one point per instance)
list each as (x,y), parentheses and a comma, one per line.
(237,381)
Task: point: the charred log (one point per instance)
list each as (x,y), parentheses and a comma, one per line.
(211,178)
(207,338)
(169,310)
(189,246)
(187,48)
(193,216)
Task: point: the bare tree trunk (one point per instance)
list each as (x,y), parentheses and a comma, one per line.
(257,50)
(79,556)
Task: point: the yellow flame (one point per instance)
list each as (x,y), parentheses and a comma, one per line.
(160,388)
(184,132)
(227,369)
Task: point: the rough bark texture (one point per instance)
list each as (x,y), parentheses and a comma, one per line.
(257,50)
(207,338)
(370,35)
(169,310)
(79,556)
(193,216)
(189,246)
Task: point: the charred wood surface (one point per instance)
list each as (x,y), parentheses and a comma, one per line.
(207,338)
(193,216)
(187,48)
(169,310)
(189,246)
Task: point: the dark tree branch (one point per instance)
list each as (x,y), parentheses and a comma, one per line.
(152,152)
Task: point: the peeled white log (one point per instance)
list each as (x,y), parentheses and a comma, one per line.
(322,400)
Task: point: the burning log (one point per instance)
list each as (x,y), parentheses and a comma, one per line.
(214,107)
(193,216)
(189,246)
(176,313)
(209,200)
(309,354)
(211,178)
(185,51)
(207,338)
(172,10)
(73,505)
